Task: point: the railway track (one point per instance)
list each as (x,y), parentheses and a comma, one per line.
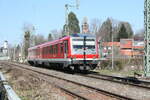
(127,81)
(86,90)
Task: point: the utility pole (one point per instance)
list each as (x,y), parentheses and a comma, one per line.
(21,53)
(66,19)
(14,53)
(66,15)
(112,51)
(147,38)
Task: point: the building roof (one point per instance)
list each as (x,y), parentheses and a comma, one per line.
(82,35)
(109,44)
(125,44)
(130,53)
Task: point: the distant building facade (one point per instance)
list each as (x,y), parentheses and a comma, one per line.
(85,26)
(124,48)
(4,52)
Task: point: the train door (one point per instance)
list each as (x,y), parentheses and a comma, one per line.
(61,50)
(38,52)
(65,48)
(41,51)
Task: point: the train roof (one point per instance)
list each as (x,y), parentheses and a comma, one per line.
(82,35)
(61,39)
(49,42)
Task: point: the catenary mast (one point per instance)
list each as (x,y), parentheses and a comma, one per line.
(147,38)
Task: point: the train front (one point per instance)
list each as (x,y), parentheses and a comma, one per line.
(84,52)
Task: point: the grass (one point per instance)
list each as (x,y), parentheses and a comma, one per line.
(120,73)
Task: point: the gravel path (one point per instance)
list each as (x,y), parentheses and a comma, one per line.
(29,87)
(125,90)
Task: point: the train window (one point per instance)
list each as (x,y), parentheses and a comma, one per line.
(66,46)
(79,49)
(50,51)
(47,50)
(56,48)
(53,49)
(44,50)
(83,39)
(61,48)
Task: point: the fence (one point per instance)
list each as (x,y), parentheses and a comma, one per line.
(6,92)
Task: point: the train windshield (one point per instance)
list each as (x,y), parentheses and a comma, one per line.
(78,46)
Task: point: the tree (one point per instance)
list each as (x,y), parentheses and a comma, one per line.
(26,42)
(38,39)
(122,33)
(94,26)
(128,29)
(64,30)
(56,34)
(17,52)
(105,32)
(50,38)
(73,23)
(139,36)
(28,29)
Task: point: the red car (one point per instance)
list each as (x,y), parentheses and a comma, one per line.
(79,51)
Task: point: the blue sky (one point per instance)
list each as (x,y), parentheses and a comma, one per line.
(47,15)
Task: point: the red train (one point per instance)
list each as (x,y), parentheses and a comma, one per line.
(78,52)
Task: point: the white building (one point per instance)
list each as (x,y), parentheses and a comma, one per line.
(4,54)
(5,48)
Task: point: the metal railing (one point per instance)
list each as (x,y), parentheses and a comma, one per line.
(6,92)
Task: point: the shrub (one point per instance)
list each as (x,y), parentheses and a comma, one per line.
(118,65)
(105,64)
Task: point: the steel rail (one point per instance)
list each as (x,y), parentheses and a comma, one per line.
(80,84)
(113,79)
(127,80)
(73,94)
(122,78)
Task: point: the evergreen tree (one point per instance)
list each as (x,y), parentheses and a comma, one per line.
(122,33)
(128,29)
(64,30)
(73,23)
(50,38)
(26,42)
(106,30)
